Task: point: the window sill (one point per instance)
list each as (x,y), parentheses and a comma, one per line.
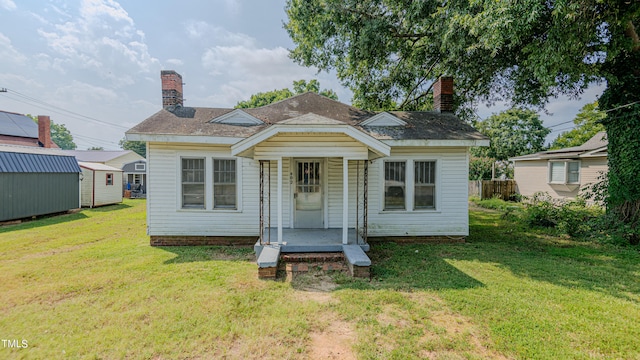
(564,187)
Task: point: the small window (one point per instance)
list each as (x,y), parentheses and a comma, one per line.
(425,185)
(193,180)
(564,172)
(109,179)
(140,166)
(224,184)
(394,185)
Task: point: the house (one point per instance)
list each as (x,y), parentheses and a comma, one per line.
(37,181)
(135,178)
(18,129)
(100,184)
(306,174)
(114,158)
(562,173)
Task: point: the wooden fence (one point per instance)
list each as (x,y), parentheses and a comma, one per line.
(502,189)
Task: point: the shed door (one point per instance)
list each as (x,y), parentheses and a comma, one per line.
(308,195)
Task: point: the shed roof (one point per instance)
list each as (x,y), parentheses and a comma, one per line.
(14,124)
(18,162)
(99,156)
(98,166)
(423,125)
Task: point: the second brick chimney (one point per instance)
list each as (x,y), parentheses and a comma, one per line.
(443,94)
(44,131)
(171,88)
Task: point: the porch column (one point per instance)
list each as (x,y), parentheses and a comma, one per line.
(280,201)
(345,200)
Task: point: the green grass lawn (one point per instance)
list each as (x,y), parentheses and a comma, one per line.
(88,285)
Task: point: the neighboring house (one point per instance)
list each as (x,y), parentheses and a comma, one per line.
(36,181)
(18,129)
(135,178)
(306,169)
(562,173)
(101,184)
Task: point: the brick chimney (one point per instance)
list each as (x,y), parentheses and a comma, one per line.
(443,94)
(171,88)
(44,131)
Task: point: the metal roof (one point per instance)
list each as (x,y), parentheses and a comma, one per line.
(15,162)
(13,124)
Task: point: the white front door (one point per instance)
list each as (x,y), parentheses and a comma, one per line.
(308,195)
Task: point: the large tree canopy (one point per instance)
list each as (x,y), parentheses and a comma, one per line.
(139,147)
(389,52)
(588,122)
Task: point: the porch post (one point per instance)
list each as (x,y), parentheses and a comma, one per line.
(280,201)
(345,200)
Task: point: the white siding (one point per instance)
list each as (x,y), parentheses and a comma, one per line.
(119,162)
(311,145)
(165,216)
(94,184)
(533,176)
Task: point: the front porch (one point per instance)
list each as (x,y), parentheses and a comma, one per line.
(309,240)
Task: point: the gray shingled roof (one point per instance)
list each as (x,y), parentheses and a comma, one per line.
(15,162)
(420,125)
(596,142)
(13,124)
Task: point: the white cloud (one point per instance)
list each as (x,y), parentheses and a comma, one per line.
(104,40)
(8,4)
(8,52)
(176,62)
(213,34)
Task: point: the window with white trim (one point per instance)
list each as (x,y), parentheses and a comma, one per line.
(140,166)
(424,185)
(394,185)
(564,172)
(193,183)
(224,184)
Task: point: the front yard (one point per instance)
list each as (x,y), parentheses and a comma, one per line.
(88,285)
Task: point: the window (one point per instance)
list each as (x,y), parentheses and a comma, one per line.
(224,184)
(193,180)
(109,179)
(425,185)
(564,172)
(140,166)
(394,185)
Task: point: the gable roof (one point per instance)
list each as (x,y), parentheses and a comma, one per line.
(13,124)
(596,146)
(97,166)
(98,156)
(169,124)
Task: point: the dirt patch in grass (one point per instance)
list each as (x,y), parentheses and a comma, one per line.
(333,342)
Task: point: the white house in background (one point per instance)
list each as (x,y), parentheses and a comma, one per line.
(564,172)
(306,164)
(101,184)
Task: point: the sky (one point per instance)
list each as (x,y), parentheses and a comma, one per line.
(94,65)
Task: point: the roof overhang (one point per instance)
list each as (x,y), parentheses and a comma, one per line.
(437,142)
(376,147)
(188,139)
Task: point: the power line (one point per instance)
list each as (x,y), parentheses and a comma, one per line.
(26,99)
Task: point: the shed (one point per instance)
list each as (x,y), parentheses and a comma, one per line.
(36,181)
(100,184)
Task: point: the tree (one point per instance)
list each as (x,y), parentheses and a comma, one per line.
(96,148)
(389,52)
(588,122)
(138,147)
(59,135)
(513,132)
(299,87)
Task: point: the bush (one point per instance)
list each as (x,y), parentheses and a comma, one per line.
(541,211)
(573,217)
